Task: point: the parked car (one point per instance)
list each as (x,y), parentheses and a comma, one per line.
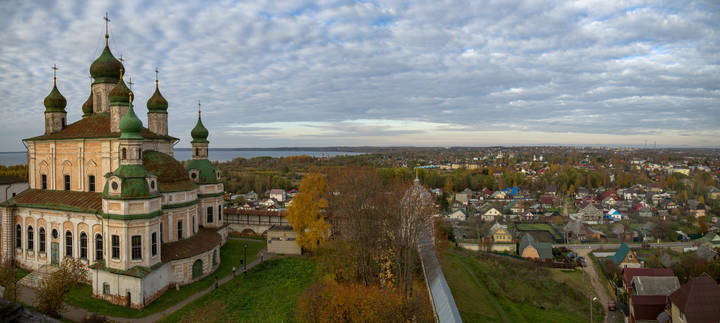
(611,306)
(581,260)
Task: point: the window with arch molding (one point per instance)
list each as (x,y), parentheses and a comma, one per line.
(83,245)
(30,242)
(98,247)
(124,153)
(18,236)
(41,247)
(68,244)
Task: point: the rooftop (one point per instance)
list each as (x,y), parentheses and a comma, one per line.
(94,126)
(204,240)
(89,202)
(698,299)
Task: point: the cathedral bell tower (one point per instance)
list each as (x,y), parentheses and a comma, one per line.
(55,114)
(104,71)
(199,135)
(157,111)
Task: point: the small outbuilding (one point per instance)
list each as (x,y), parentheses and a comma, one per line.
(282,239)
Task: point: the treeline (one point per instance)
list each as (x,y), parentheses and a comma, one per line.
(258,183)
(17,171)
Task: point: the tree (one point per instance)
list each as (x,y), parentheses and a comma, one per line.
(54,288)
(703,225)
(305,214)
(8,279)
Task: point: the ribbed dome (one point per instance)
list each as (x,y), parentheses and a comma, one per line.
(87,107)
(120,94)
(199,133)
(55,101)
(130,126)
(106,68)
(157,102)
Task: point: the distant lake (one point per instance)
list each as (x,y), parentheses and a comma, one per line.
(17,158)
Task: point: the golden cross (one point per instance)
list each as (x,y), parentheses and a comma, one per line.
(156,77)
(130,82)
(54,70)
(107,20)
(198,109)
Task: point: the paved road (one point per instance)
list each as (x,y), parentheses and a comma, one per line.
(595,246)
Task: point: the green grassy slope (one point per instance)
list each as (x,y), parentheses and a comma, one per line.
(494,289)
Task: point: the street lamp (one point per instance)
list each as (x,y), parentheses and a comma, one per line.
(245,262)
(591,304)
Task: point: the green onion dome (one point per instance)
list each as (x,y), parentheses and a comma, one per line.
(55,101)
(120,94)
(87,107)
(199,133)
(157,102)
(106,68)
(130,126)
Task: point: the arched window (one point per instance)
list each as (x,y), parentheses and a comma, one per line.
(68,244)
(18,237)
(197,152)
(139,153)
(124,153)
(30,242)
(83,245)
(210,214)
(41,248)
(220,213)
(98,247)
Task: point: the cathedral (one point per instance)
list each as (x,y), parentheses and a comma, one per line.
(108,191)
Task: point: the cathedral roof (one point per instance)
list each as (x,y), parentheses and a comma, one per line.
(157,103)
(206,170)
(55,101)
(172,176)
(199,133)
(106,68)
(130,126)
(120,94)
(88,202)
(94,126)
(204,240)
(134,184)
(87,107)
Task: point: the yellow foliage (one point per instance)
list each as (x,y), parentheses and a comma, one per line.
(305,213)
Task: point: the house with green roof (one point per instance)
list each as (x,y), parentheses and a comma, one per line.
(626,258)
(529,248)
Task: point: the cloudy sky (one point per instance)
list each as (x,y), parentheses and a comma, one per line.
(321,73)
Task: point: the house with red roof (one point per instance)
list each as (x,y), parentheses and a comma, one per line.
(696,301)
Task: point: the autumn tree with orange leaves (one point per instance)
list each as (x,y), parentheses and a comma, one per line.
(305,215)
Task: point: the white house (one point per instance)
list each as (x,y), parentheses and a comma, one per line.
(11,186)
(278,194)
(458,215)
(490,214)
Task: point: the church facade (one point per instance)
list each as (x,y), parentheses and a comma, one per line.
(108,191)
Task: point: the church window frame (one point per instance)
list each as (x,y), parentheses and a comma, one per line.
(66,182)
(161,232)
(115,239)
(180,230)
(98,247)
(220,208)
(136,244)
(43,181)
(68,244)
(18,236)
(124,154)
(41,236)
(30,238)
(83,245)
(91,183)
(106,289)
(153,246)
(210,214)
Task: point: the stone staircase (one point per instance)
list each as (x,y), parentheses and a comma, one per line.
(34,278)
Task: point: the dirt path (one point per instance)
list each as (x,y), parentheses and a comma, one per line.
(598,286)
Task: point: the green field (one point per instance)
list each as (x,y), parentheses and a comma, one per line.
(538,227)
(266,294)
(230,255)
(494,289)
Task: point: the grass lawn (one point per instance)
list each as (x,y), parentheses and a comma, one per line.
(488,288)
(20,273)
(230,255)
(266,294)
(538,227)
